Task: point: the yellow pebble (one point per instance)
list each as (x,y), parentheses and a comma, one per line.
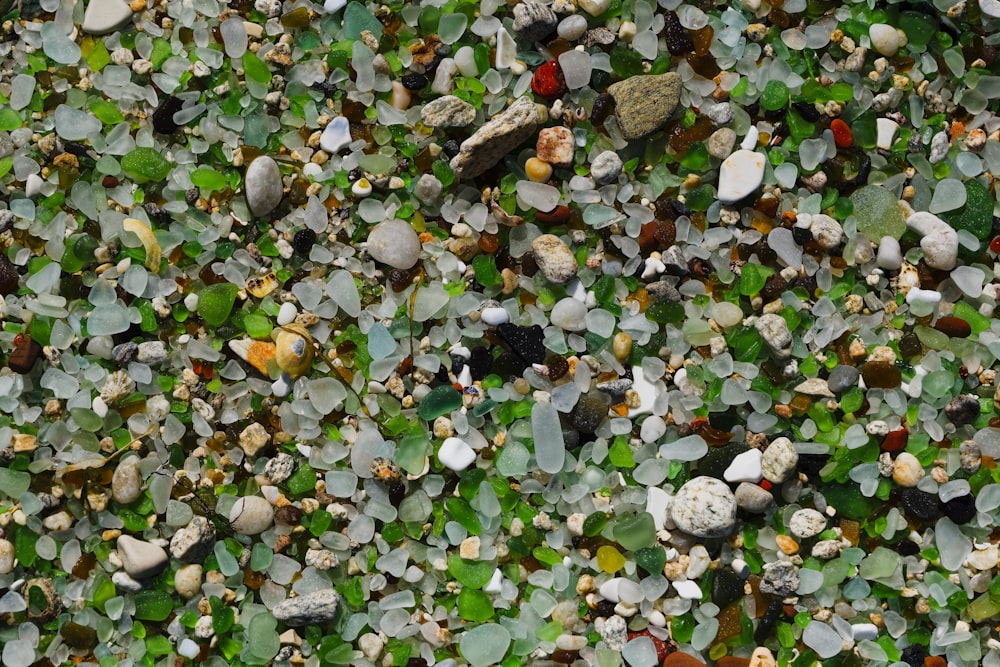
(787,544)
(622,346)
(537,170)
(610,559)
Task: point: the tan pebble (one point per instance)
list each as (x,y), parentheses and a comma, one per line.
(6,556)
(787,544)
(762,657)
(622,346)
(111,534)
(906,470)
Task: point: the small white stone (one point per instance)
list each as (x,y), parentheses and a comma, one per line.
(572,27)
(741,173)
(867,631)
(494,315)
(806,523)
(906,470)
(287,314)
(658,504)
(495,584)
(251,515)
(126,483)
(104,16)
(336,135)
(141,559)
(594,7)
(6,556)
(188,648)
(687,589)
(745,467)
(939,242)
(609,589)
(569,314)
(263,186)
(331,6)
(187,580)
(779,460)
(646,391)
(456,454)
(885,132)
(884,38)
(826,231)
(890,255)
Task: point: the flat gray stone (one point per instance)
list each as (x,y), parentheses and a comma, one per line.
(497,138)
(448,111)
(141,559)
(306,609)
(643,104)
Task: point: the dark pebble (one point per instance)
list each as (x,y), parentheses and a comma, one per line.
(163,117)
(842,378)
(526,342)
(124,353)
(811,464)
(801,235)
(774,610)
(615,388)
(451,148)
(962,410)
(953,327)
(9,276)
(726,587)
(920,504)
(677,37)
(24,354)
(913,655)
(588,413)
(960,510)
(807,110)
(480,363)
(303,241)
(414,81)
(907,548)
(78,637)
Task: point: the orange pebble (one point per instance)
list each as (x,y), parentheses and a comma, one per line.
(537,170)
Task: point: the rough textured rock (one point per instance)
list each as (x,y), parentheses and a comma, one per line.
(193,542)
(644,103)
(705,507)
(774,330)
(496,138)
(779,460)
(534,21)
(126,484)
(554,258)
(447,111)
(309,608)
(780,578)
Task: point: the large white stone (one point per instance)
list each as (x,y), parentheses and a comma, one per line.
(251,515)
(104,16)
(939,242)
(740,174)
(141,559)
(456,454)
(395,243)
(884,38)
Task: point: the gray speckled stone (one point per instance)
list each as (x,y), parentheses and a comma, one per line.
(263,186)
(643,104)
(534,21)
(447,111)
(395,243)
(751,498)
(843,378)
(780,578)
(554,258)
(309,608)
(779,460)
(193,542)
(496,138)
(705,507)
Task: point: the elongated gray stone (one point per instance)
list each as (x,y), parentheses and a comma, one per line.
(496,138)
(310,608)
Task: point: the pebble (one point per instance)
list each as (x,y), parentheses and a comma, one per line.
(745,467)
(644,103)
(494,316)
(762,657)
(826,231)
(336,135)
(263,186)
(556,145)
(687,589)
(151,352)
(534,21)
(554,258)
(741,173)
(395,243)
(254,438)
(779,460)
(890,255)
(779,578)
(704,507)
(606,168)
(920,504)
(126,483)
(315,607)
(140,559)
(7,556)
(752,498)
(251,515)
(806,523)
(721,143)
(428,188)
(884,38)
(447,112)
(490,143)
(885,132)
(187,580)
(962,410)
(720,114)
(193,542)
(456,454)
(842,378)
(569,314)
(939,242)
(572,27)
(906,469)
(104,16)
(594,7)
(774,330)
(286,314)
(961,509)
(990,7)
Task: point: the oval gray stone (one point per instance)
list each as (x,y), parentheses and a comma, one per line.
(395,243)
(705,507)
(263,186)
(310,608)
(126,483)
(251,515)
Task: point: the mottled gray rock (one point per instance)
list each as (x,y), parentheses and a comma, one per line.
(643,104)
(263,186)
(806,523)
(534,21)
(780,578)
(251,515)
(141,559)
(606,167)
(751,498)
(554,258)
(705,507)
(447,111)
(151,352)
(779,460)
(721,143)
(279,468)
(310,608)
(843,378)
(497,138)
(126,483)
(193,542)
(428,188)
(395,243)
(774,330)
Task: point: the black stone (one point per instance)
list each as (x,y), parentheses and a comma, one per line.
(414,81)
(677,37)
(526,342)
(801,235)
(451,148)
(807,110)
(303,241)
(907,548)
(9,276)
(962,410)
(163,117)
(842,378)
(768,620)
(960,510)
(606,608)
(588,413)
(726,587)
(811,464)
(480,363)
(913,655)
(920,504)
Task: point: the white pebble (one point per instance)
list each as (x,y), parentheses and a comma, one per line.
(884,38)
(890,255)
(741,173)
(336,135)
(687,589)
(287,314)
(494,316)
(885,132)
(456,454)
(745,467)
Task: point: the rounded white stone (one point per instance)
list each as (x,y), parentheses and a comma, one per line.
(141,559)
(6,556)
(263,186)
(395,243)
(745,467)
(251,515)
(456,454)
(890,255)
(494,316)
(884,38)
(705,507)
(569,314)
(126,483)
(187,580)
(741,173)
